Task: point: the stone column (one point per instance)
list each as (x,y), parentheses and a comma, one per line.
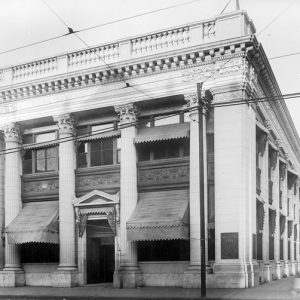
(66,275)
(235,188)
(2,197)
(129,275)
(12,274)
(192,277)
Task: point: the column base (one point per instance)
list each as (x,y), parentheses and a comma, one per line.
(65,278)
(12,278)
(293,268)
(286,269)
(267,273)
(128,277)
(236,275)
(278,270)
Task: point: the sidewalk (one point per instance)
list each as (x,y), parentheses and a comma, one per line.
(276,290)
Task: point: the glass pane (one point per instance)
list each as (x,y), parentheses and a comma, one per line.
(118,156)
(40,154)
(186,148)
(83,130)
(159,121)
(45,137)
(28,154)
(27,139)
(102,127)
(40,165)
(107,144)
(27,166)
(173,151)
(107,157)
(159,152)
(95,146)
(82,160)
(52,164)
(51,152)
(144,152)
(96,158)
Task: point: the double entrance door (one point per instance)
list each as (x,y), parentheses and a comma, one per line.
(100,252)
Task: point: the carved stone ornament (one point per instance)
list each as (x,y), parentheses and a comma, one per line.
(12,133)
(268,125)
(191,99)
(282,171)
(127,113)
(99,180)
(65,123)
(41,186)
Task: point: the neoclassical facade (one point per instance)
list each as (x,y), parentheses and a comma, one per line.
(99,163)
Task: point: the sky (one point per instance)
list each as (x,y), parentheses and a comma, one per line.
(23,22)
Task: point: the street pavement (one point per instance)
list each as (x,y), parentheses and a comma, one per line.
(276,290)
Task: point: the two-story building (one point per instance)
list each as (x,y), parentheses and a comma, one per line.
(99,163)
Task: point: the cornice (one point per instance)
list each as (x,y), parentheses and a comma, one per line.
(126,70)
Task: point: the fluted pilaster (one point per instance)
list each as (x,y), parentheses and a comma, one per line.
(2,197)
(13,204)
(129,196)
(66,130)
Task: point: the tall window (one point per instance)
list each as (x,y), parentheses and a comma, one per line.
(98,152)
(40,159)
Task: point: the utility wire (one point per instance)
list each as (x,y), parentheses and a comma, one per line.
(98,26)
(284,55)
(225,7)
(75,33)
(276,17)
(158,117)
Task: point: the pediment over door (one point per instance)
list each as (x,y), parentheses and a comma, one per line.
(97,203)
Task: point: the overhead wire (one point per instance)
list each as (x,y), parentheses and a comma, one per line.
(100,25)
(159,116)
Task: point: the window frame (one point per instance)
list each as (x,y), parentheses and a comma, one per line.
(115,150)
(34,154)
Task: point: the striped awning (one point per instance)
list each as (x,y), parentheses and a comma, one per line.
(41,145)
(160,216)
(163,133)
(36,222)
(98,136)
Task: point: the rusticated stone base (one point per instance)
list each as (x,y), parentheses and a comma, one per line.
(235,276)
(65,279)
(12,278)
(128,278)
(192,277)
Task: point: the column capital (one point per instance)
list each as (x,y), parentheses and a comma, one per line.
(127,113)
(11,132)
(65,123)
(191,99)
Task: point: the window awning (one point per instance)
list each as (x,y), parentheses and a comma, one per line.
(36,222)
(41,145)
(163,133)
(98,136)
(160,216)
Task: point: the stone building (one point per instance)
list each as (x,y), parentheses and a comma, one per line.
(99,164)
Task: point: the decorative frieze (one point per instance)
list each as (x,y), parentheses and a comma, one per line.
(45,186)
(98,181)
(127,113)
(163,175)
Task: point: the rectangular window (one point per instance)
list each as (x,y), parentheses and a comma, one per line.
(46,159)
(27,162)
(171,250)
(82,152)
(45,137)
(39,253)
(102,152)
(162,120)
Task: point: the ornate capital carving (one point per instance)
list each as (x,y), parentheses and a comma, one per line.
(191,99)
(12,132)
(127,113)
(65,123)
